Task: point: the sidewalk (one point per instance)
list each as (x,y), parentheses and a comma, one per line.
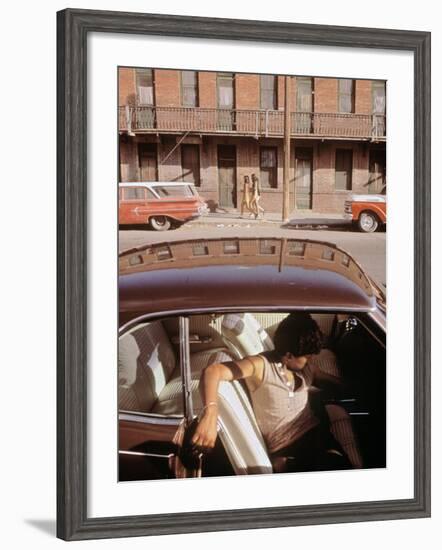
(296,219)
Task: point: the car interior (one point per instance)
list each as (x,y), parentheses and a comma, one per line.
(150,382)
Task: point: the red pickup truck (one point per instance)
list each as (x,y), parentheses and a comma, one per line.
(159,204)
(368,212)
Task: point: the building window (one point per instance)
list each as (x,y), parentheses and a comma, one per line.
(268,164)
(343,169)
(378,97)
(190,163)
(145,93)
(269,92)
(304,95)
(346,95)
(189,88)
(225,92)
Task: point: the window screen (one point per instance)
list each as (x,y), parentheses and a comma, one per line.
(346,95)
(304,103)
(378,97)
(145,87)
(225,90)
(189,84)
(268,166)
(268,85)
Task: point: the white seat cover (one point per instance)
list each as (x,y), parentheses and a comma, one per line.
(145,362)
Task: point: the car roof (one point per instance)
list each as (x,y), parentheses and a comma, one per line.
(202,275)
(150,183)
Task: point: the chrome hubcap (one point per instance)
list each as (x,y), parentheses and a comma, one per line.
(367,222)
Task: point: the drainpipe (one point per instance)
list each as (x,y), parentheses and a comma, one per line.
(286,169)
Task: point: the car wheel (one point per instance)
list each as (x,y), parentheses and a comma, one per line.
(368,222)
(160,223)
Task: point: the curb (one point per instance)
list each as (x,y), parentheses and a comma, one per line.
(304,223)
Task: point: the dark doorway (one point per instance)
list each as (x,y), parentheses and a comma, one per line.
(147,156)
(377,169)
(227,175)
(303,177)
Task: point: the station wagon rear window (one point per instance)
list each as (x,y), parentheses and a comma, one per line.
(174,190)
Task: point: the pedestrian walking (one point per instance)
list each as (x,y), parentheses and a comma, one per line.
(246,196)
(255,207)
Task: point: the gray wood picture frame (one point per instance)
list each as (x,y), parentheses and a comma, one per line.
(73,27)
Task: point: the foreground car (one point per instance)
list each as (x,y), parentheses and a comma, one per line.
(185,305)
(162,205)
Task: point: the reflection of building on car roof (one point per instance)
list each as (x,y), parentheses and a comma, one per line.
(181,313)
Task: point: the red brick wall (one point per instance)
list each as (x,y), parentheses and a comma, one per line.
(167,88)
(292,93)
(247,91)
(363,101)
(325,197)
(126,86)
(281,92)
(207,89)
(326,95)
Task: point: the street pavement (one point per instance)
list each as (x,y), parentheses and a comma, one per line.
(369,249)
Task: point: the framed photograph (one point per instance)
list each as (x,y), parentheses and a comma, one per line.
(228,273)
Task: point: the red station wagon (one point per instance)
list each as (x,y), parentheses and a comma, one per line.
(162,205)
(186,304)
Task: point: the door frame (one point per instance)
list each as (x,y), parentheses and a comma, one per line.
(311,158)
(235,178)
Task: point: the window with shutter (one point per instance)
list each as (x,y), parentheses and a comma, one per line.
(269,166)
(343,169)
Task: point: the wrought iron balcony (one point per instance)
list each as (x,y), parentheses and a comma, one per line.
(256,123)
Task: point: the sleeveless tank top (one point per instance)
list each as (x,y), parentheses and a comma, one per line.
(283,414)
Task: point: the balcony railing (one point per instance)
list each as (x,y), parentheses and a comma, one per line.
(250,123)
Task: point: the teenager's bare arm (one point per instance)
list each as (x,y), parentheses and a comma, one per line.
(250,367)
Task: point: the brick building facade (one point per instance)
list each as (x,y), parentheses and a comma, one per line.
(215,128)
